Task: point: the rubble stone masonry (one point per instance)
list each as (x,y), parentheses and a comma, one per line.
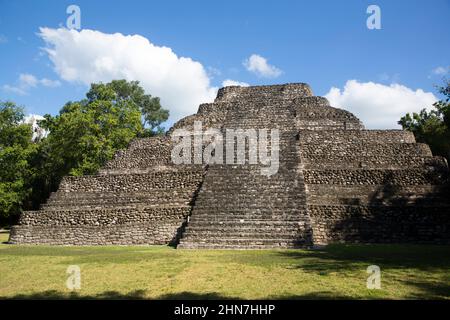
(336,182)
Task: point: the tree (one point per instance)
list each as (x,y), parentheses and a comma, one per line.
(87,133)
(152,112)
(16,152)
(432,127)
(82,137)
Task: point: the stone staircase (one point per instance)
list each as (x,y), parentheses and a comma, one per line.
(238,207)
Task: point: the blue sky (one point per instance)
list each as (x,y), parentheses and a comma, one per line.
(324,43)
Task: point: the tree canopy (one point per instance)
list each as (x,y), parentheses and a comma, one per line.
(87,133)
(16,151)
(82,137)
(432,127)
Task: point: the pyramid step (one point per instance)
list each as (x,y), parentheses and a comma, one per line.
(246,242)
(227,211)
(236,235)
(113,208)
(248,214)
(85,196)
(106,205)
(256,221)
(261,224)
(247,227)
(240,247)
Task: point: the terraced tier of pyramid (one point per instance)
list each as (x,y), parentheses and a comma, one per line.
(336,182)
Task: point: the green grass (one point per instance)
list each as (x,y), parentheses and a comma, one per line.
(159,272)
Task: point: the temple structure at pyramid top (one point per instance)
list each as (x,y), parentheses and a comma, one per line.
(282,92)
(334,182)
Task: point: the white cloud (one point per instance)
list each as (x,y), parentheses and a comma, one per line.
(229,82)
(49,83)
(33,118)
(27,81)
(89,56)
(38,132)
(441,71)
(379,106)
(14,89)
(259,66)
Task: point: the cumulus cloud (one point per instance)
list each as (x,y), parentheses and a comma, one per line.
(259,66)
(27,81)
(229,82)
(14,89)
(89,56)
(441,71)
(49,83)
(379,106)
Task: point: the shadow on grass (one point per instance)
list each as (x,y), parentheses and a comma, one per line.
(59,295)
(351,257)
(114,295)
(412,264)
(430,290)
(141,295)
(186,295)
(6,239)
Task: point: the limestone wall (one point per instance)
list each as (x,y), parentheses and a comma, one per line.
(356,136)
(138,198)
(401,177)
(131,182)
(416,195)
(380,224)
(275,93)
(137,234)
(103,216)
(141,154)
(374,186)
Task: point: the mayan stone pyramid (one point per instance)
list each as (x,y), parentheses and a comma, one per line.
(336,182)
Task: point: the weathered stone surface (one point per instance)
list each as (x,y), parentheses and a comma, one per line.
(337,182)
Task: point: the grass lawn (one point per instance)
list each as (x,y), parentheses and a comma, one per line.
(160,272)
